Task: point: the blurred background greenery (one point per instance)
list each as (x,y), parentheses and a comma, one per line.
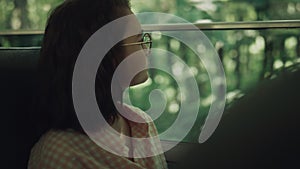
(248,56)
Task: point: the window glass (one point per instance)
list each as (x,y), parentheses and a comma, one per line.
(32,14)
(26,17)
(223,10)
(248,56)
(25,14)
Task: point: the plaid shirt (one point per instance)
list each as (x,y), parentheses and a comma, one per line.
(68,149)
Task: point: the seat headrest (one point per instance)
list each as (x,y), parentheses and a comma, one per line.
(25,58)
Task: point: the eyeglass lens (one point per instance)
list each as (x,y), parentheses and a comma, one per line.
(147,41)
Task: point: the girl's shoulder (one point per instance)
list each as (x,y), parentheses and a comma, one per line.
(58,148)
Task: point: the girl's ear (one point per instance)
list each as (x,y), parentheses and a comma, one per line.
(115,61)
(117,57)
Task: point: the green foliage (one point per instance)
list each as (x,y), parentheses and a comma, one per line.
(248,56)
(25,14)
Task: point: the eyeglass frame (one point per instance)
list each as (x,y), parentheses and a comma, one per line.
(140,43)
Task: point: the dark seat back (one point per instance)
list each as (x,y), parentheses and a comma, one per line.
(18,68)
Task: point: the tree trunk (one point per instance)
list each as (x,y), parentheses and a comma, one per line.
(21,13)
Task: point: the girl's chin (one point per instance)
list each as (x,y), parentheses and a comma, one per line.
(140,78)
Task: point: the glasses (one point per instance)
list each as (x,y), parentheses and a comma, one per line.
(146,43)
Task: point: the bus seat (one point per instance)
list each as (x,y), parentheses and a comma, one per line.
(259,131)
(18,68)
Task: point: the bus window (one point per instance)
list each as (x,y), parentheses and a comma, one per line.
(256,41)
